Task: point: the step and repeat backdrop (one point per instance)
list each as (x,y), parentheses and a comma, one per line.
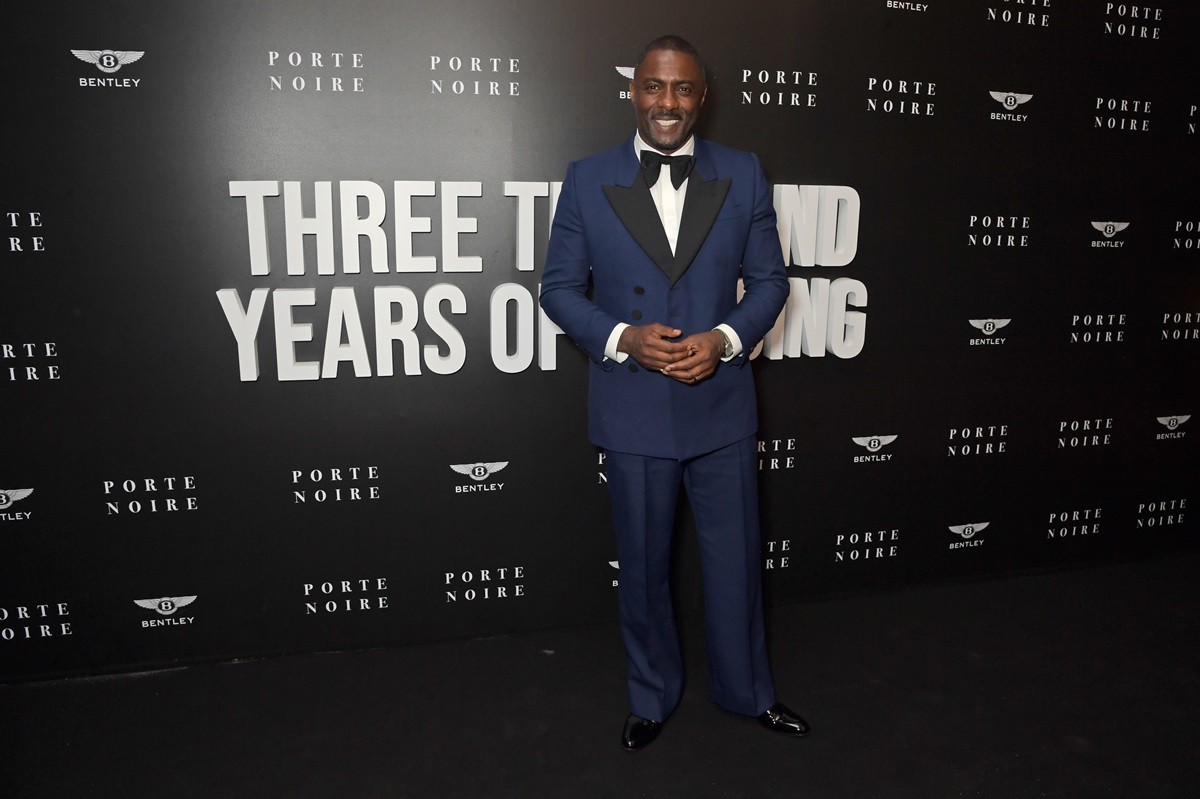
(275,378)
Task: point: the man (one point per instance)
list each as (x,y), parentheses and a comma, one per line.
(671,396)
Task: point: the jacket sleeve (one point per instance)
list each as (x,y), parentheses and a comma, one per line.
(764,275)
(565,280)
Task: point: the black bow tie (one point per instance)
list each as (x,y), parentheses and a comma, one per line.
(681,166)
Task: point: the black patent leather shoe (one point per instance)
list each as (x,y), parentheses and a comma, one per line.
(639,733)
(779,718)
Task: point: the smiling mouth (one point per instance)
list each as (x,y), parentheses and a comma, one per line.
(666,123)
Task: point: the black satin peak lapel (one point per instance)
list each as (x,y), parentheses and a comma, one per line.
(635,208)
(700,208)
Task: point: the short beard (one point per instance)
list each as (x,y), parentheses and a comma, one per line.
(665,145)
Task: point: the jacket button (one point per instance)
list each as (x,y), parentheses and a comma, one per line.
(638,290)
(633,367)
(636,314)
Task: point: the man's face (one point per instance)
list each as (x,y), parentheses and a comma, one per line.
(667,91)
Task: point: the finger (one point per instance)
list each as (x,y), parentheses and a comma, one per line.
(657,331)
(668,351)
(661,361)
(688,363)
(685,370)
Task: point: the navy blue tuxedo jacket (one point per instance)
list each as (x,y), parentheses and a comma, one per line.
(607,232)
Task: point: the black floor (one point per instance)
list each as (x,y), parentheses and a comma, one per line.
(1075,684)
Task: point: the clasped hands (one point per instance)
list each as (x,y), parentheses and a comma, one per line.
(688,360)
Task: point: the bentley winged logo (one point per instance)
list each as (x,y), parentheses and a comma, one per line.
(1170,421)
(968,530)
(1010,100)
(166,605)
(989,326)
(479,471)
(873,443)
(626,72)
(108,60)
(1109,229)
(10,495)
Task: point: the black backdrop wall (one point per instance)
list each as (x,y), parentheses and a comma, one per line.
(276,380)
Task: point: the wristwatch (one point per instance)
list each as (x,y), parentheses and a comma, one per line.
(728,351)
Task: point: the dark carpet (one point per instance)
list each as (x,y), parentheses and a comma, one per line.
(1079,683)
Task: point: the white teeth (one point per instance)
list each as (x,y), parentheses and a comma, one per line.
(666,123)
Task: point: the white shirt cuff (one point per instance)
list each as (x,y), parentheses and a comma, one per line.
(614,338)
